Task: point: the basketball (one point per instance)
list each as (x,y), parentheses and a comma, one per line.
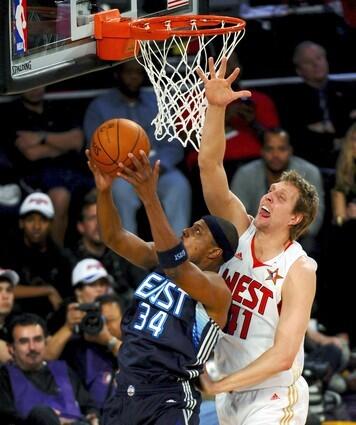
(113,140)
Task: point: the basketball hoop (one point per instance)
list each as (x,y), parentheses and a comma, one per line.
(170,49)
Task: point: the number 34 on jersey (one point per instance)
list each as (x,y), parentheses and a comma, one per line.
(159,298)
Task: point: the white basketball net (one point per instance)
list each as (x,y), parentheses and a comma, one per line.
(180,92)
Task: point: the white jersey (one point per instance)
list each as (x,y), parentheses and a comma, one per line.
(256,302)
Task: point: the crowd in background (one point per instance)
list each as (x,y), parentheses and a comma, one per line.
(56,273)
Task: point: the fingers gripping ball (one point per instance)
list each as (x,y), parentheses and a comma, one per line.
(113,140)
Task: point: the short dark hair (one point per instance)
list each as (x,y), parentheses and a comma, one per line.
(24,319)
(277,131)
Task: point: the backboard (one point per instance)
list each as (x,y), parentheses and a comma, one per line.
(47,41)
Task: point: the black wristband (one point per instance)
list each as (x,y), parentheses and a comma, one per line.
(172,257)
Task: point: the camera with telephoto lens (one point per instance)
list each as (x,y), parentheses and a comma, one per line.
(93,322)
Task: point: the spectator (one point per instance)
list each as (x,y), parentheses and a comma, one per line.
(253,180)
(130,101)
(44,268)
(344,193)
(94,356)
(44,144)
(319,110)
(36,392)
(8,280)
(341,235)
(126,276)
(90,280)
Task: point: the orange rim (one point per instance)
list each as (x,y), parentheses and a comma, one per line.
(163,27)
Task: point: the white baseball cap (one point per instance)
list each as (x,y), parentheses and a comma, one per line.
(88,271)
(11,275)
(37,202)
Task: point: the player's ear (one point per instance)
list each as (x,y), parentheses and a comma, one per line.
(295,219)
(214,253)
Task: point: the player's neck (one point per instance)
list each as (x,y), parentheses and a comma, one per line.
(267,247)
(208,265)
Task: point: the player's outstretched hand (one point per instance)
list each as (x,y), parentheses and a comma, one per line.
(141,176)
(218,89)
(102,181)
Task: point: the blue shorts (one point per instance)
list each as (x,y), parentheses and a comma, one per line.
(159,404)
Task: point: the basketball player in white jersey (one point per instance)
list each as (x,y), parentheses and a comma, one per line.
(260,359)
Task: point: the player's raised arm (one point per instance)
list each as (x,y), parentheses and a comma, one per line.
(123,242)
(183,260)
(219,199)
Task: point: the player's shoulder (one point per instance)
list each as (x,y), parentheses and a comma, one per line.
(216,281)
(303,265)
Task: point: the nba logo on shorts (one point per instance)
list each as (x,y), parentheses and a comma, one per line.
(20,25)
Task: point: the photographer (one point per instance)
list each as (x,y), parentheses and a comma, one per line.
(90,337)
(93,355)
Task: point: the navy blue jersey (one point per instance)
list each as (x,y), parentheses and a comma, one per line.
(167,336)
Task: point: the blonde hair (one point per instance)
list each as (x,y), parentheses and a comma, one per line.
(345,176)
(307,203)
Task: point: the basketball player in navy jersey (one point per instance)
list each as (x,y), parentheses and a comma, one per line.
(177,311)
